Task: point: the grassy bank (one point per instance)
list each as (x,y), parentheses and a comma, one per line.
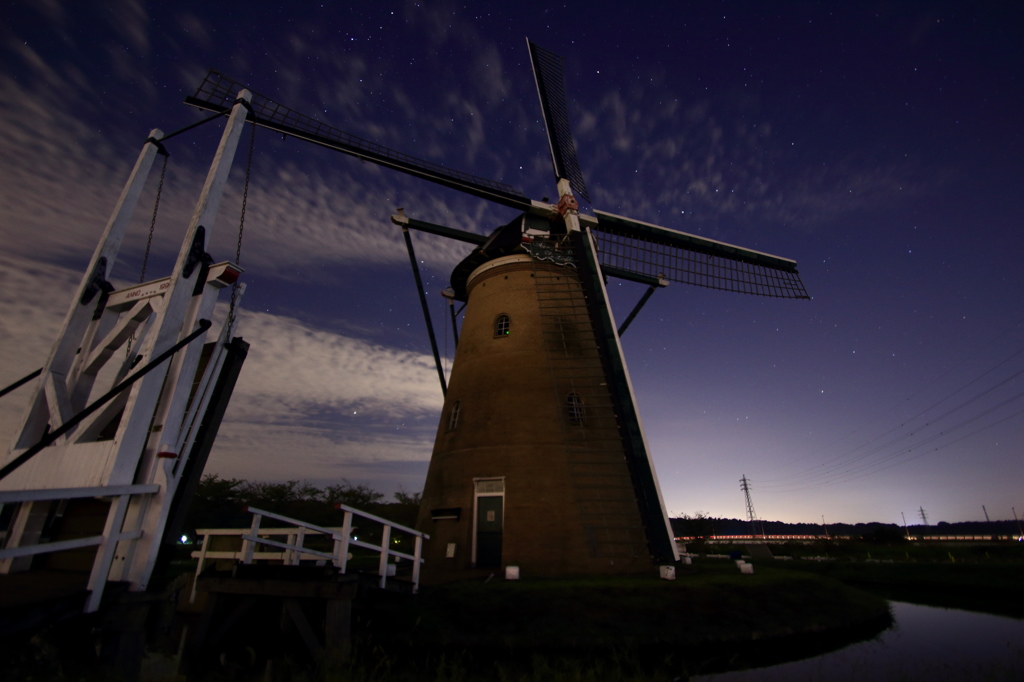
(709,602)
(984,576)
(622,628)
(996,588)
(710,618)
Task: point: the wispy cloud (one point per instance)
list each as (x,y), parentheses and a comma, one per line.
(34,298)
(310,403)
(321,208)
(292,453)
(315,405)
(713,164)
(309,393)
(297,370)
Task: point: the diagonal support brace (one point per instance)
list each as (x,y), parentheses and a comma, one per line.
(52,436)
(426,309)
(662,282)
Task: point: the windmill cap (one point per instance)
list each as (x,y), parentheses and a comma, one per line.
(507,240)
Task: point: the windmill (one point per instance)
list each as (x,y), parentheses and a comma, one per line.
(540,460)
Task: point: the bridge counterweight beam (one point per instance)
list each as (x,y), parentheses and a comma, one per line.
(62,357)
(181,307)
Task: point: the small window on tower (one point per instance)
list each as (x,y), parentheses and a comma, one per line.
(453,416)
(502,323)
(574,405)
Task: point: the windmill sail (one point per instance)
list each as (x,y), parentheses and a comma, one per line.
(634,443)
(547,72)
(217,93)
(649,250)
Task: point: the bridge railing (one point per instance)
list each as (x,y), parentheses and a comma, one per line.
(106,542)
(293,549)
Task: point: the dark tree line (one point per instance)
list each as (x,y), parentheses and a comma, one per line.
(222,502)
(700,525)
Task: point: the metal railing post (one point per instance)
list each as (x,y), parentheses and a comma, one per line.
(417,559)
(199,567)
(346,538)
(385,554)
(336,560)
(299,540)
(249,546)
(105,552)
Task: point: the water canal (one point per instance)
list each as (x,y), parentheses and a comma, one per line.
(924,643)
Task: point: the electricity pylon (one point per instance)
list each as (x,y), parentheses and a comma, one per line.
(751,516)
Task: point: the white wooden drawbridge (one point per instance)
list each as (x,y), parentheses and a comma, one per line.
(118,407)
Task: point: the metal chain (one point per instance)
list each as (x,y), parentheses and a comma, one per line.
(152,222)
(149,241)
(241,225)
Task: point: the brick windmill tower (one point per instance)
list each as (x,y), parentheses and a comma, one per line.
(540,461)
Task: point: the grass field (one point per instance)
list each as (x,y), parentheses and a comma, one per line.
(711,618)
(986,577)
(610,628)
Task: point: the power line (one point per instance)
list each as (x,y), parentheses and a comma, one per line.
(848,476)
(980,351)
(824,474)
(901,457)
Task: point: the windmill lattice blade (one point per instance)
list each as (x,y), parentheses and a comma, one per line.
(650,250)
(547,71)
(634,442)
(218,92)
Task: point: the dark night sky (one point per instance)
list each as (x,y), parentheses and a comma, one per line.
(879,147)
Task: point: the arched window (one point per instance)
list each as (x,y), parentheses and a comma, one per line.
(453,416)
(574,407)
(502,323)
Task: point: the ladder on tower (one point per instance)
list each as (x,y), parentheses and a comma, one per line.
(593,443)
